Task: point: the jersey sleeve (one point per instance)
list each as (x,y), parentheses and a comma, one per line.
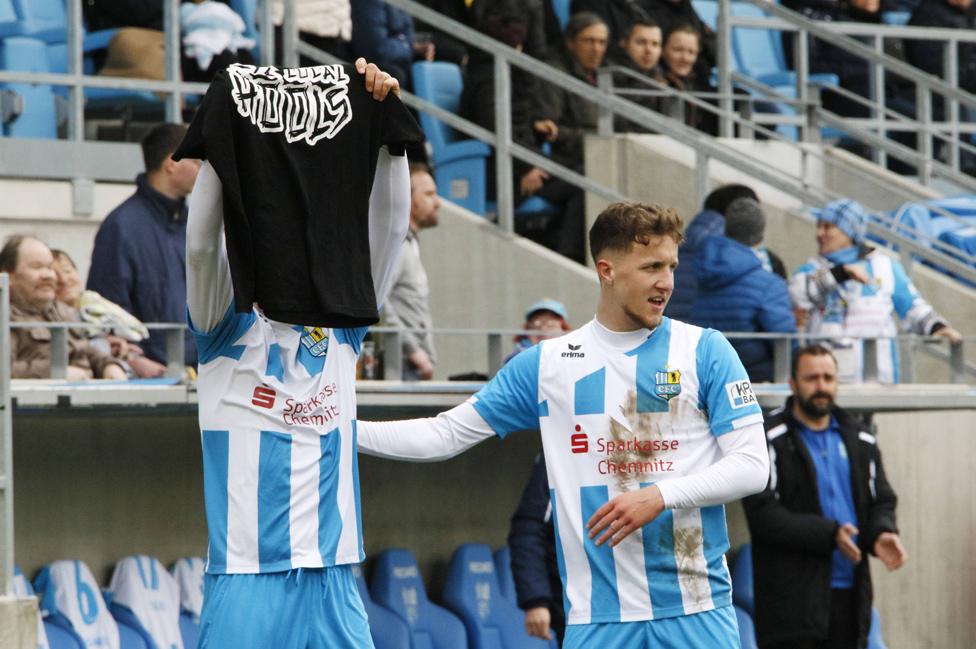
(510,401)
(222,339)
(725,390)
(399,126)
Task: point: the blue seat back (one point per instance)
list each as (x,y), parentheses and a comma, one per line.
(757,52)
(747,630)
(188,573)
(503,568)
(387,630)
(707,10)
(39,118)
(43,19)
(396,585)
(143,589)
(742,590)
(441,84)
(561,9)
(247,10)
(472,591)
(70,598)
(61,638)
(190,630)
(10,24)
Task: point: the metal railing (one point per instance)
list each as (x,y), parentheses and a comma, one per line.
(6,445)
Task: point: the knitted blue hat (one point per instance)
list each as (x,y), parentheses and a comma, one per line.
(849,216)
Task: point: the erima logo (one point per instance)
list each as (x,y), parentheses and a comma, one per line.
(579,443)
(264,397)
(574,351)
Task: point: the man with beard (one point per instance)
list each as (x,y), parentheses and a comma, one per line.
(827,505)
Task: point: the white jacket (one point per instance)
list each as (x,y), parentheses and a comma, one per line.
(326,18)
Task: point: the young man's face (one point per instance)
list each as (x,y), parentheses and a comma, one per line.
(643,280)
(643,46)
(681,52)
(830,238)
(589,46)
(33,282)
(424,201)
(815,384)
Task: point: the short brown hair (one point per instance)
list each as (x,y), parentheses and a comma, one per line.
(815,349)
(10,253)
(160,143)
(623,224)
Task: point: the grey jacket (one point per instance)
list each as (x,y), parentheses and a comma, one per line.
(408,304)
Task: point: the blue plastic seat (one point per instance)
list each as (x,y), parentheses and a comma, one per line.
(503,568)
(459,164)
(60,638)
(561,9)
(472,591)
(145,597)
(10,24)
(247,10)
(387,630)
(707,10)
(39,117)
(742,590)
(396,584)
(897,18)
(189,630)
(747,630)
(70,599)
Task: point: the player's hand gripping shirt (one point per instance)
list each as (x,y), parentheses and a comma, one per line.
(618,412)
(277,402)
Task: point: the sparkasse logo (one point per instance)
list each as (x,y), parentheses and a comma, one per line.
(264,397)
(574,351)
(579,442)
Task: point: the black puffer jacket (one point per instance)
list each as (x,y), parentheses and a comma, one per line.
(929,55)
(792,543)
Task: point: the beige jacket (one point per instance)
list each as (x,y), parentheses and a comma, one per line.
(30,349)
(326,18)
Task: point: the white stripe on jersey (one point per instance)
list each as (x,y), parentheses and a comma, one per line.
(579,581)
(696,592)
(634,594)
(242,495)
(303,514)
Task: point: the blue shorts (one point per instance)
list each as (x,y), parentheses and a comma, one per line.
(715,629)
(317,608)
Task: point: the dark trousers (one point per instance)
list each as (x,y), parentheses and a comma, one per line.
(843,626)
(563,232)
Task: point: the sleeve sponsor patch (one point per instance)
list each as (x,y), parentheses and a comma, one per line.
(740,394)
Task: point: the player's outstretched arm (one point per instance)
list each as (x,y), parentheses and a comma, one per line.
(424,440)
(209,291)
(389,220)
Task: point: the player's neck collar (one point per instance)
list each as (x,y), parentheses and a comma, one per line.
(625,340)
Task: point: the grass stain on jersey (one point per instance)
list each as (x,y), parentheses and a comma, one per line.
(644,426)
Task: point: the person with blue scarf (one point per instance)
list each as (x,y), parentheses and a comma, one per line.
(851,291)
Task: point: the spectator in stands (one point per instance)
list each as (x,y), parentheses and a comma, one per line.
(736,293)
(709,222)
(33,288)
(532,542)
(114,331)
(509,24)
(324,24)
(384,35)
(852,290)
(682,44)
(618,15)
(827,506)
(930,55)
(641,47)
(548,317)
(672,13)
(409,302)
(138,258)
(213,38)
(473,13)
(852,70)
(563,119)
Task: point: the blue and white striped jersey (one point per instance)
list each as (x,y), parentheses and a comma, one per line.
(278,424)
(618,412)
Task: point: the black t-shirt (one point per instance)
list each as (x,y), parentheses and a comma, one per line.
(296,150)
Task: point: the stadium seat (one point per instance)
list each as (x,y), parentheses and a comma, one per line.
(70,599)
(472,591)
(459,164)
(188,573)
(146,597)
(897,18)
(875,641)
(387,630)
(707,10)
(38,117)
(747,630)
(503,568)
(561,9)
(396,584)
(247,10)
(9,22)
(742,591)
(20,587)
(59,638)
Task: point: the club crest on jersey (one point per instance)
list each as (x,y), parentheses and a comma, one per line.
(667,383)
(315,340)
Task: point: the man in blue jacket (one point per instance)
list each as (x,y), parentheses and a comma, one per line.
(736,293)
(139,259)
